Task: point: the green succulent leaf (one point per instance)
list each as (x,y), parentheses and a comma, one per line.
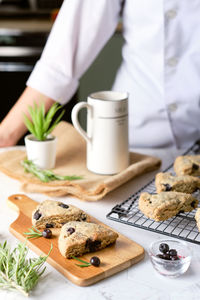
(55,123)
(29,125)
(39,121)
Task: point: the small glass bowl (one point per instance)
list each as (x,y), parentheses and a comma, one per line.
(171,268)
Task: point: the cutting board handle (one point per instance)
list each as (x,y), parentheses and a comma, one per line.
(18,202)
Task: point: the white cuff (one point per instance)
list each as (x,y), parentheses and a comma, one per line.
(52,83)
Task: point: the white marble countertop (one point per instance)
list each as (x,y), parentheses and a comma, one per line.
(138,282)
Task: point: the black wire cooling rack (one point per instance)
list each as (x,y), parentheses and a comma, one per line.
(182,226)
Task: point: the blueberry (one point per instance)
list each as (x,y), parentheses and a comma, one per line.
(195,167)
(92,245)
(164,248)
(166,256)
(172,252)
(167,187)
(63,205)
(193,204)
(48,225)
(82,217)
(47,233)
(37,215)
(95,261)
(160,256)
(71,230)
(175,258)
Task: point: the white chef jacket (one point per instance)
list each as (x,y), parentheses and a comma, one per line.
(160,68)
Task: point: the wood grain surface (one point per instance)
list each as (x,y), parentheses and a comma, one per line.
(114,258)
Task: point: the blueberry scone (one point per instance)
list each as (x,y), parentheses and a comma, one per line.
(77,238)
(187,165)
(53,214)
(166,182)
(165,205)
(197,218)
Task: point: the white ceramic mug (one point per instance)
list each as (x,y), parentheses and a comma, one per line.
(107,131)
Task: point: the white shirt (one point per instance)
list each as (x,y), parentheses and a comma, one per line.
(160,68)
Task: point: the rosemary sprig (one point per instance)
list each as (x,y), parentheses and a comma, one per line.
(16,271)
(33,233)
(45,175)
(84,263)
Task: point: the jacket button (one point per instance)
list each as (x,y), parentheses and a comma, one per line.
(172,62)
(171,14)
(172,107)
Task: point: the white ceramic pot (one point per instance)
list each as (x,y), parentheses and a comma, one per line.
(42,153)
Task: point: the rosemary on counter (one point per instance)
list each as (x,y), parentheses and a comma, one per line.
(33,232)
(17,272)
(45,175)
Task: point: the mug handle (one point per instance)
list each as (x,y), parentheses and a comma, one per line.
(75,121)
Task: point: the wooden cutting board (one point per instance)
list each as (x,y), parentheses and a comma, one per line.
(115,258)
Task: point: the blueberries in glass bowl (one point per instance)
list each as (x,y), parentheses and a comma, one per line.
(170,257)
(167,253)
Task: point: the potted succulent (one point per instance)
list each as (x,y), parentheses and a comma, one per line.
(41,144)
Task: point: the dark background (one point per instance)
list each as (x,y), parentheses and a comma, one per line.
(21,48)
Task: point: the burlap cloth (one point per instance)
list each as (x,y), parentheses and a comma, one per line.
(71,160)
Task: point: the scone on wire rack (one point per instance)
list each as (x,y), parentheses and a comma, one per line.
(77,238)
(165,205)
(187,165)
(197,218)
(166,182)
(54,214)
